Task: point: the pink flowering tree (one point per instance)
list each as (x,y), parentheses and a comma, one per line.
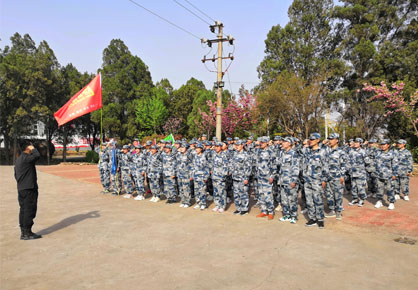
(237,115)
(172,125)
(395,102)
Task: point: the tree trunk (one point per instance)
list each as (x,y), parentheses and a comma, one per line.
(48,153)
(14,148)
(7,148)
(64,149)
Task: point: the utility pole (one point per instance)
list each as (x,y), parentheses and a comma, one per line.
(219,93)
(219,83)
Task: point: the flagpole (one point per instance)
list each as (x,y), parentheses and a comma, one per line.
(101,127)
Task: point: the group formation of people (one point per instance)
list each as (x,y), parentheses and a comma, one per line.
(273,171)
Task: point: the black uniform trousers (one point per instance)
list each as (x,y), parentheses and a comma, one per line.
(28,202)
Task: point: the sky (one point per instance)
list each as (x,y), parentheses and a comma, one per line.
(79,30)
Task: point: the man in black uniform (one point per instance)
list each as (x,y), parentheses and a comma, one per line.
(27,187)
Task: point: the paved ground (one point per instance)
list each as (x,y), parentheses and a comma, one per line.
(92,241)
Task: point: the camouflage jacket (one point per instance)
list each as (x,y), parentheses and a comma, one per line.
(240,165)
(289,167)
(404,161)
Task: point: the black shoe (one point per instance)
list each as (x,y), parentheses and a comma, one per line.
(244,212)
(353,202)
(169,201)
(310,223)
(237,212)
(28,235)
(320,224)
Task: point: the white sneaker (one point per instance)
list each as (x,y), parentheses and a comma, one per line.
(157,199)
(138,197)
(185,205)
(221,210)
(202,207)
(397,197)
(378,204)
(215,209)
(181,205)
(391,206)
(196,206)
(406,198)
(152,199)
(279,207)
(127,196)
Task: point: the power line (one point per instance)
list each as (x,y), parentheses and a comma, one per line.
(192,12)
(162,18)
(200,11)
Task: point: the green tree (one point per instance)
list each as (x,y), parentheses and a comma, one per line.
(305,46)
(125,79)
(182,102)
(151,113)
(378,43)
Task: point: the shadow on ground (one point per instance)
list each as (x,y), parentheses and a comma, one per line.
(69,221)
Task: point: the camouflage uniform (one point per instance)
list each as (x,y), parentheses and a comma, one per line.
(126,161)
(169,170)
(265,169)
(358,160)
(405,166)
(240,169)
(371,169)
(200,171)
(386,168)
(115,179)
(154,171)
(289,167)
(219,168)
(140,162)
(104,169)
(337,159)
(314,173)
(184,167)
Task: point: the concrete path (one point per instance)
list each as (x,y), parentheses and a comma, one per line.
(95,241)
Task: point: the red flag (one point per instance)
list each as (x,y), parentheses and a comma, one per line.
(87,100)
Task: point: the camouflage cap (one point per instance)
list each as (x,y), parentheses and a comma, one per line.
(359,140)
(125,147)
(199,145)
(251,138)
(219,144)
(385,141)
(334,136)
(148,143)
(154,147)
(228,139)
(401,141)
(240,142)
(139,146)
(373,140)
(168,146)
(278,138)
(315,136)
(288,139)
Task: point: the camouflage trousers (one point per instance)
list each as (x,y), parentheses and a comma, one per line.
(185,190)
(358,187)
(289,198)
(219,191)
(385,184)
(200,191)
(401,184)
(116,182)
(266,199)
(276,191)
(371,182)
(241,198)
(334,193)
(127,181)
(139,183)
(170,188)
(104,176)
(154,185)
(314,201)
